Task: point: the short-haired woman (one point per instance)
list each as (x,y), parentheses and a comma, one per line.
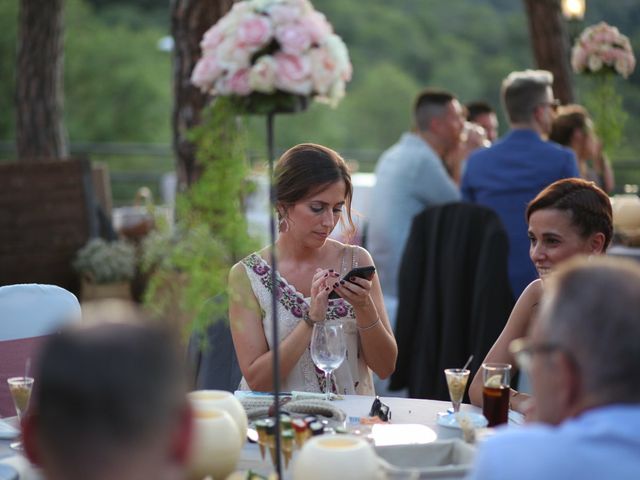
(570,217)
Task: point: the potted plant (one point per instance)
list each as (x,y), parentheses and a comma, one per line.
(106,269)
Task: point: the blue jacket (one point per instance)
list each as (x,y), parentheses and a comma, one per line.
(506,177)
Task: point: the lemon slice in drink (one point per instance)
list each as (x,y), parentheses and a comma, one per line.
(494,381)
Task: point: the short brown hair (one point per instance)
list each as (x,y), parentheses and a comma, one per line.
(568,119)
(308,168)
(589,206)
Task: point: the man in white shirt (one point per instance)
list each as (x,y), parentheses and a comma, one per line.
(583,359)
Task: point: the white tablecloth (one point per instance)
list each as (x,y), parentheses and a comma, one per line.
(403,410)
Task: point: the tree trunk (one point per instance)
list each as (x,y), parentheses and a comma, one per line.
(39,93)
(550,42)
(189,20)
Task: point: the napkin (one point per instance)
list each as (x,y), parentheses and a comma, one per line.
(8,431)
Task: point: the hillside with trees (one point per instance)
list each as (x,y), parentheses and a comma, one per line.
(117,81)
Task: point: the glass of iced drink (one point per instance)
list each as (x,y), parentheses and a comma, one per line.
(20,388)
(457,379)
(496,379)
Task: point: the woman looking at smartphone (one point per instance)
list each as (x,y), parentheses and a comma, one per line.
(313,191)
(569,217)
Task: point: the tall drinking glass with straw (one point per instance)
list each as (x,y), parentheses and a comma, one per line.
(20,388)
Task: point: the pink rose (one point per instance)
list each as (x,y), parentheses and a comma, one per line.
(317,26)
(293,73)
(206,71)
(239,82)
(212,38)
(293,38)
(254,31)
(282,13)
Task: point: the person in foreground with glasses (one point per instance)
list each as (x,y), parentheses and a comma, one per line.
(110,401)
(313,193)
(569,217)
(584,360)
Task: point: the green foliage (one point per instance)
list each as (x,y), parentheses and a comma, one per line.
(8,29)
(605,105)
(211,235)
(117,82)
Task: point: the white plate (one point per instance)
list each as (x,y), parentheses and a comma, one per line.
(7,432)
(450,420)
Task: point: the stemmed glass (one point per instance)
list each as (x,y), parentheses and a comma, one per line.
(328,349)
(457,382)
(20,388)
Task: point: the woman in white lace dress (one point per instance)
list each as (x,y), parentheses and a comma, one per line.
(314,190)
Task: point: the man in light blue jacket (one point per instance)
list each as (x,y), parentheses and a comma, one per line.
(411,176)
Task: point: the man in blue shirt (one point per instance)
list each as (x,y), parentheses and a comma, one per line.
(411,176)
(583,359)
(509,174)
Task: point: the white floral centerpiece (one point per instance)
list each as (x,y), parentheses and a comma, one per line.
(603,53)
(602,46)
(264,50)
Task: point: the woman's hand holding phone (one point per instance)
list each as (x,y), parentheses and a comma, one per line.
(355,286)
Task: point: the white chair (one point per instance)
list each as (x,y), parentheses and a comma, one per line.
(28,314)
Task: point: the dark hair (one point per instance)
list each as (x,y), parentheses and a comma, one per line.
(308,168)
(102,390)
(475,109)
(568,119)
(429,103)
(589,206)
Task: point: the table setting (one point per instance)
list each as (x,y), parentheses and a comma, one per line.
(362,437)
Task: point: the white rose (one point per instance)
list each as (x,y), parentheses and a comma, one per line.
(338,51)
(262,76)
(595,63)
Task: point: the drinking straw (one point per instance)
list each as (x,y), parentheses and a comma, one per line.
(468,362)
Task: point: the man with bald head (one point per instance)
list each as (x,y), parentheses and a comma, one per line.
(583,359)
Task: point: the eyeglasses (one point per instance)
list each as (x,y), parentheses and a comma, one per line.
(523,351)
(553,104)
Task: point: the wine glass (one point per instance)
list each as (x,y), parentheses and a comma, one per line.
(328,349)
(20,388)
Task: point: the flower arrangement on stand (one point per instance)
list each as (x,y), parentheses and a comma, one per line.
(270,53)
(269,57)
(603,53)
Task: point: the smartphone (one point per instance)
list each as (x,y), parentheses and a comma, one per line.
(360,272)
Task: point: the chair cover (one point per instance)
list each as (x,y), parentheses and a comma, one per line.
(28,314)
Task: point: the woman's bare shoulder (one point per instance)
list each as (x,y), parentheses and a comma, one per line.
(533,293)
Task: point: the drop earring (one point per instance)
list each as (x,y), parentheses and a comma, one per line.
(283,225)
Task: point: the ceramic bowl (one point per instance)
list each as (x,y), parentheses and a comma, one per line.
(216,445)
(346,457)
(204,399)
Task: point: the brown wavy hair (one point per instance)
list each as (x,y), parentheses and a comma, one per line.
(309,168)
